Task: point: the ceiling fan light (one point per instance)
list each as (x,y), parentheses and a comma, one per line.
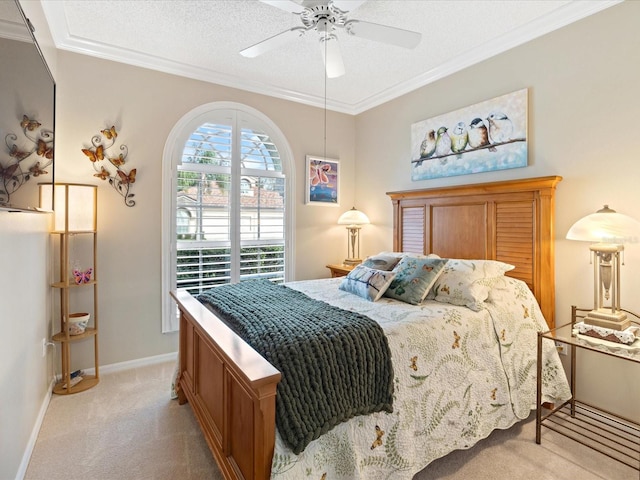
(332,57)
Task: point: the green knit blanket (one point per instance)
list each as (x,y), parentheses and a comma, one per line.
(335,364)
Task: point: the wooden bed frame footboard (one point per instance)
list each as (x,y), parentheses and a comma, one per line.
(231,389)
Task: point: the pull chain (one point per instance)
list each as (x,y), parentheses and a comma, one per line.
(325,98)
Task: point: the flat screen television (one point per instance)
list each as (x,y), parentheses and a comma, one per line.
(27,113)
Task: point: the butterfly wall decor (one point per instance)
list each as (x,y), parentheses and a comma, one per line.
(26,159)
(111,167)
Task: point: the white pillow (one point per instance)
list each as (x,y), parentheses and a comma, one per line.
(468,282)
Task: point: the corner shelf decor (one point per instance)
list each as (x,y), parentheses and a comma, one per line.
(74,207)
(111,167)
(22,164)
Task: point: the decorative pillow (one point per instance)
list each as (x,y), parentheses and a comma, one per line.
(382,261)
(414,278)
(468,282)
(367,282)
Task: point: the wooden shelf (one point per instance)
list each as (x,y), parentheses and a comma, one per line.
(77,232)
(87,382)
(62,336)
(72,284)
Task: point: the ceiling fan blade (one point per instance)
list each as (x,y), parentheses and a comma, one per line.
(286,5)
(384,33)
(348,5)
(272,42)
(332,57)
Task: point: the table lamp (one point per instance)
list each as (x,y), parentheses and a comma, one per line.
(353,219)
(608,231)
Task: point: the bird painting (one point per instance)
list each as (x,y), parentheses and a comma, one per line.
(500,127)
(478,134)
(489,135)
(459,138)
(428,146)
(443,142)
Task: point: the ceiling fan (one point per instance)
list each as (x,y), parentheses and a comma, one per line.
(327,17)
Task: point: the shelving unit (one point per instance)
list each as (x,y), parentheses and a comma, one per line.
(606,432)
(75,220)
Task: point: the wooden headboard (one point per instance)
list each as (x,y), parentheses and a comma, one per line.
(510,221)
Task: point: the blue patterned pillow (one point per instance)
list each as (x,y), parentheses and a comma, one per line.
(414,277)
(367,282)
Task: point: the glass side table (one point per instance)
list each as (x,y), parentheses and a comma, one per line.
(608,433)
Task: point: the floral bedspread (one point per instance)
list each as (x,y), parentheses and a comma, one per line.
(459,375)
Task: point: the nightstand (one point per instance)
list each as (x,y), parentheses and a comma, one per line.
(340,270)
(614,436)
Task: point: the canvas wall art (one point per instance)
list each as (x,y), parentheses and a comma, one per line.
(487,136)
(323,181)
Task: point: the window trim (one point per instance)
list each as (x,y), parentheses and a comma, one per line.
(172,154)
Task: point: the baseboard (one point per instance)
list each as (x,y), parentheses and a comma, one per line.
(22,469)
(137,363)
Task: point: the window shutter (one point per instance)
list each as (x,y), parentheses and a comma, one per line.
(230,207)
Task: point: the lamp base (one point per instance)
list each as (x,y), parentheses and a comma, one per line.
(352,261)
(607,319)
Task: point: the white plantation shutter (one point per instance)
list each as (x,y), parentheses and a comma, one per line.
(230,204)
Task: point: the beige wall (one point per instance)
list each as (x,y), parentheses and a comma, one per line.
(583,85)
(144,105)
(25,374)
(25,309)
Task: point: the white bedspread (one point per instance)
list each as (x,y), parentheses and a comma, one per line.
(459,375)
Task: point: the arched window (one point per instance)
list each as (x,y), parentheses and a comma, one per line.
(227,176)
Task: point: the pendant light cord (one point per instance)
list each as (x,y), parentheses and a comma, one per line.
(325,97)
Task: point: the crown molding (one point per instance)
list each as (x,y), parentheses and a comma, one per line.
(565,15)
(562,17)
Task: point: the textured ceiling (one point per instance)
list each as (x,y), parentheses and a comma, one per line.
(201,39)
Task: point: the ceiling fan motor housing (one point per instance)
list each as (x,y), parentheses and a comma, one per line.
(322,16)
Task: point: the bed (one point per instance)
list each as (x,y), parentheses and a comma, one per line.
(232,389)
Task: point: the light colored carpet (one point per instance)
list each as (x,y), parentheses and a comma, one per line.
(127,428)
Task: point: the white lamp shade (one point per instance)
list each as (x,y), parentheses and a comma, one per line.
(353,217)
(73,203)
(605,226)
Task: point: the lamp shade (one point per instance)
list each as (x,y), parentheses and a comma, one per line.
(74,206)
(605,226)
(353,217)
